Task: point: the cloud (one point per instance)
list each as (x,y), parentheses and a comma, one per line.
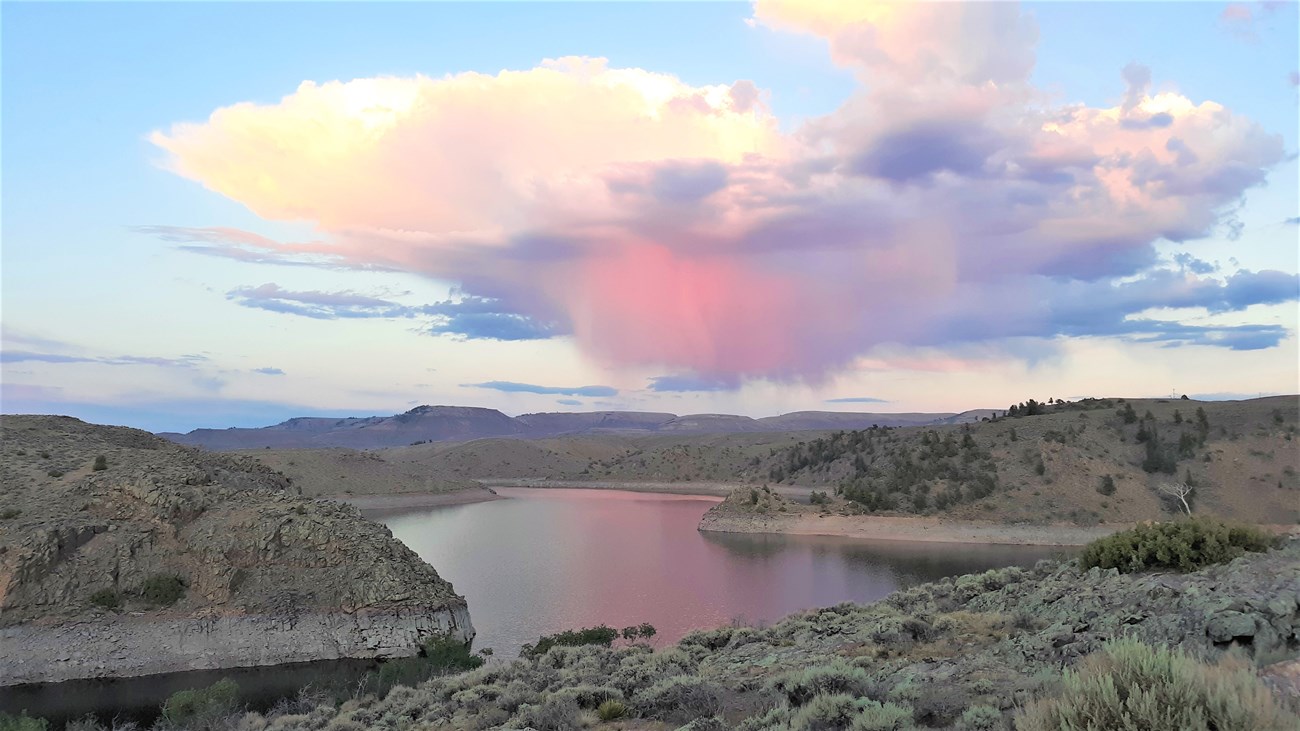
(684,383)
(568,401)
(10,355)
(856,400)
(479,318)
(247,247)
(316,304)
(663,225)
(1190,263)
(269,371)
(512,387)
(1243,20)
(1293,221)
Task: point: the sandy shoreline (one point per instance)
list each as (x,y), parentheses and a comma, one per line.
(890,528)
(706,489)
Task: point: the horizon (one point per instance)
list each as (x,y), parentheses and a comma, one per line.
(256,422)
(737,208)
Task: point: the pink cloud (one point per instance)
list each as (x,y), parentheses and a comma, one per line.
(669,225)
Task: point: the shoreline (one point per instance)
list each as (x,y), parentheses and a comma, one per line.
(404,500)
(701,489)
(916,529)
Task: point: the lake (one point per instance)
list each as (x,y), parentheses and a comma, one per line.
(546,560)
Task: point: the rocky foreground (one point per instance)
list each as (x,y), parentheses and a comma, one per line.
(963,653)
(123,554)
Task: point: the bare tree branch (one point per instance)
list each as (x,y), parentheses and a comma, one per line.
(1179,490)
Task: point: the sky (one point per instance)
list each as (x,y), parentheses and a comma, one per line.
(222,215)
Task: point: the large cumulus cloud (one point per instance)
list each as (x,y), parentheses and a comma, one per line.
(662,224)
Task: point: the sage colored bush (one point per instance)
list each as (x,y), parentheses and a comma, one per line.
(679,699)
(801,686)
(212,702)
(1183,545)
(1130,685)
(101,464)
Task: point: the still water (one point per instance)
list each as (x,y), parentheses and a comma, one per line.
(546,560)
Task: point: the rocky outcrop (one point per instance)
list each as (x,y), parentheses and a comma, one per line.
(99,646)
(168,558)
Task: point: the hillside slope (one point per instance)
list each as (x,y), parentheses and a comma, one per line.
(124,554)
(1096,461)
(463,423)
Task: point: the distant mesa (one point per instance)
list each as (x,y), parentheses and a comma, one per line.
(464,423)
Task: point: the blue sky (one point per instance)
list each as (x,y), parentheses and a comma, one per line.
(84,279)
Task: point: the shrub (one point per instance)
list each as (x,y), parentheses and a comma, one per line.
(441,652)
(611,710)
(106,599)
(163,590)
(981,718)
(1107,486)
(602,635)
(679,699)
(187,706)
(1184,545)
(10,513)
(826,713)
(22,723)
(801,686)
(101,464)
(55,473)
(552,714)
(874,716)
(1133,686)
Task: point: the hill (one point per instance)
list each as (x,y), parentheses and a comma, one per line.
(338,471)
(1087,462)
(124,554)
(464,423)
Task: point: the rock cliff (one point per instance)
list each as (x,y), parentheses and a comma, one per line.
(124,554)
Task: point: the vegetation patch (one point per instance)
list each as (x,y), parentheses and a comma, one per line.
(204,704)
(1182,545)
(106,599)
(602,635)
(163,590)
(1135,686)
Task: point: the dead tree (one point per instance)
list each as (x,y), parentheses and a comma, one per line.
(1179,491)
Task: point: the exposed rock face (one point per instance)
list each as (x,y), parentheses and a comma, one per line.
(269,576)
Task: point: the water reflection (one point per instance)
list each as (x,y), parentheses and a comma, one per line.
(554,559)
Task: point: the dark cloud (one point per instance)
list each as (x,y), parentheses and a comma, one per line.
(856,400)
(568,401)
(269,371)
(512,387)
(925,148)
